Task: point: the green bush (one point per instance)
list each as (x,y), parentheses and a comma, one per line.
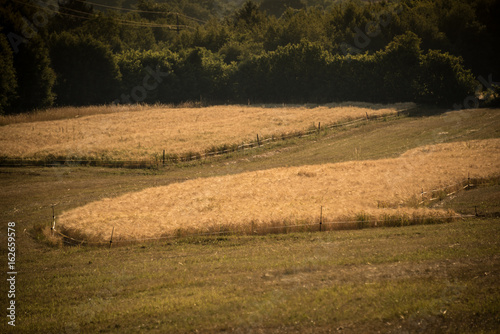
(443,80)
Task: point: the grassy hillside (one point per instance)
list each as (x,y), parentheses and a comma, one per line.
(29,192)
(432,278)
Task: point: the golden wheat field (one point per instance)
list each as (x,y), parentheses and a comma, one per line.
(140,133)
(285,195)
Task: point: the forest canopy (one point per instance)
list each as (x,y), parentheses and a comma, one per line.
(77,52)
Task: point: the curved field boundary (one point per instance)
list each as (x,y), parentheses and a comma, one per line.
(363,221)
(387,190)
(316,227)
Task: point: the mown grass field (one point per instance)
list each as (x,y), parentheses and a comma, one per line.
(134,134)
(433,278)
(430,278)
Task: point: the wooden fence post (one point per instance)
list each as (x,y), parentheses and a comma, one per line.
(53,221)
(111,239)
(319,127)
(258,142)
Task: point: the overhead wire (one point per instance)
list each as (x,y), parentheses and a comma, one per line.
(140,11)
(120,21)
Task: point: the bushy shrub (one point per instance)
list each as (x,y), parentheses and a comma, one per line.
(443,80)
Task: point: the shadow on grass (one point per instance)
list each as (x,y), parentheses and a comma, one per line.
(426,111)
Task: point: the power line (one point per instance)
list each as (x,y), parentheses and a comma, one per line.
(119,21)
(145,24)
(140,11)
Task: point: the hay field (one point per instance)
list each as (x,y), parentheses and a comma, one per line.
(291,195)
(135,134)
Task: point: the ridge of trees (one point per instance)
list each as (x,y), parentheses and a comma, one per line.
(77,52)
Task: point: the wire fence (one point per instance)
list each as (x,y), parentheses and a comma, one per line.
(363,221)
(163,159)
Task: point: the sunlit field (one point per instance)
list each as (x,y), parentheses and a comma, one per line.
(136,133)
(287,196)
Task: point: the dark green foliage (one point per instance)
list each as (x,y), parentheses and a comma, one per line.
(71,15)
(278,7)
(35,77)
(294,73)
(398,67)
(212,36)
(201,75)
(249,16)
(31,62)
(235,51)
(86,70)
(493,100)
(146,76)
(8,80)
(194,75)
(443,80)
(306,72)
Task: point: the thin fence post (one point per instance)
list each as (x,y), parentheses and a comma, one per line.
(319,127)
(111,239)
(53,221)
(258,142)
(163,158)
(321,218)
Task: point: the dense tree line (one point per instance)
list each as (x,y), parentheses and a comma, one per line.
(75,53)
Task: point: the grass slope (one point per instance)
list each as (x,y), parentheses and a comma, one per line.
(28,193)
(435,278)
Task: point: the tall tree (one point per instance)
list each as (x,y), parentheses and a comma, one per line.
(86,70)
(444,81)
(8,80)
(23,27)
(249,15)
(399,65)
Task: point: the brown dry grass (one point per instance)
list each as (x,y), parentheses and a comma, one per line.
(60,113)
(286,195)
(144,131)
